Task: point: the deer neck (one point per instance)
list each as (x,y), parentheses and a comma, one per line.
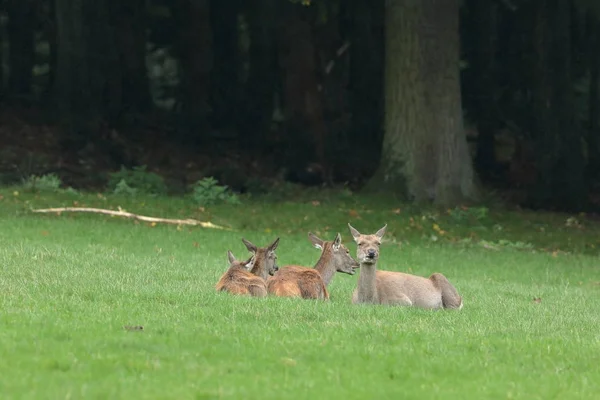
(326,268)
(260,270)
(367,283)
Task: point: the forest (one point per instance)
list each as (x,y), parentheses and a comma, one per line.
(435,100)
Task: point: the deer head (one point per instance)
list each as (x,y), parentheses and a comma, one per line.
(247,265)
(367,250)
(265,259)
(337,252)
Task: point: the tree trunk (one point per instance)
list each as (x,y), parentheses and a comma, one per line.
(130,24)
(560,160)
(49,28)
(484,89)
(87,85)
(569,186)
(263,74)
(194,50)
(224,73)
(305,125)
(21,25)
(593,136)
(366,33)
(425,150)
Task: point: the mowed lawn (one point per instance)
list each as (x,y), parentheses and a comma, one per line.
(70,283)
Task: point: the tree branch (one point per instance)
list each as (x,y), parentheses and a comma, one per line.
(125,214)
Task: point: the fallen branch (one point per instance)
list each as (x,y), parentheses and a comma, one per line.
(125,214)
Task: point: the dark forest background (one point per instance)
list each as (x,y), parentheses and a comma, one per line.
(254,92)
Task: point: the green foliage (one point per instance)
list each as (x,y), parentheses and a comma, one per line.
(42,183)
(207,191)
(136,181)
(469,213)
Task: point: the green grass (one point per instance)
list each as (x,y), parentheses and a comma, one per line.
(69,283)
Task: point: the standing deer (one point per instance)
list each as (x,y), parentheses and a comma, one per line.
(265,259)
(397,288)
(239,280)
(309,283)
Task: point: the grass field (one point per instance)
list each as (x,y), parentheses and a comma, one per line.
(70,283)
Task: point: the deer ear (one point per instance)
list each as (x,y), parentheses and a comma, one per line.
(250,263)
(318,243)
(337,241)
(274,245)
(381,232)
(251,247)
(230,257)
(355,234)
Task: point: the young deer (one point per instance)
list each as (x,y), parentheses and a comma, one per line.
(309,283)
(239,280)
(265,259)
(397,288)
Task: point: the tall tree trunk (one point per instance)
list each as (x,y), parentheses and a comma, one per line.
(560,157)
(224,74)
(49,28)
(21,25)
(484,89)
(130,25)
(366,32)
(258,103)
(87,85)
(194,50)
(570,171)
(303,99)
(425,151)
(593,136)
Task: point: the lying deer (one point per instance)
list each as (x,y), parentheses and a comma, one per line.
(265,259)
(309,283)
(239,280)
(397,288)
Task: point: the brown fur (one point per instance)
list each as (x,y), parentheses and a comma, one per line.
(239,281)
(265,259)
(309,283)
(397,288)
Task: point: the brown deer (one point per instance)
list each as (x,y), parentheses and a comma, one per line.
(239,280)
(264,258)
(397,288)
(309,283)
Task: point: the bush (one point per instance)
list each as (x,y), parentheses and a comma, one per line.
(136,181)
(43,183)
(207,191)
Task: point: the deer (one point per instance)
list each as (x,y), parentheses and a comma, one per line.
(311,283)
(397,288)
(264,258)
(239,280)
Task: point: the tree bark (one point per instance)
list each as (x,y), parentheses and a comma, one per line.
(263,73)
(21,25)
(424,148)
(560,161)
(482,58)
(593,134)
(87,85)
(366,33)
(194,50)
(224,80)
(305,126)
(130,24)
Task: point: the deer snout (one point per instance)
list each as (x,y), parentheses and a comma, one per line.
(371,253)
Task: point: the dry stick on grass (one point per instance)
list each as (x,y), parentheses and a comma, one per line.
(123,213)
